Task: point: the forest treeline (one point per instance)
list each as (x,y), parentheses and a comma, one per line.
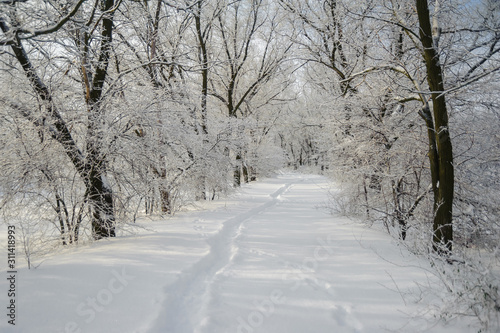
(112,109)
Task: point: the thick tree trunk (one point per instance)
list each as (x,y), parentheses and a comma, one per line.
(444,171)
(100,198)
(165,201)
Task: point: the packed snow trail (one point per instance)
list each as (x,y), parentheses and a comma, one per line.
(189,297)
(267,259)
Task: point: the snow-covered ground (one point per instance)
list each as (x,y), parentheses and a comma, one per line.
(267,259)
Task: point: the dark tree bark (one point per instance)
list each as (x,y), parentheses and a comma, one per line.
(236,92)
(237,171)
(202,35)
(440,152)
(99,192)
(165,201)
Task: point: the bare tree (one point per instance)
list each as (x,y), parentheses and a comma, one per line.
(92,164)
(252,54)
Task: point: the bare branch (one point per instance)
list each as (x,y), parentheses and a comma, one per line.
(27,33)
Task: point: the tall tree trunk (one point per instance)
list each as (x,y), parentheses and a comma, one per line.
(202,36)
(99,191)
(443,171)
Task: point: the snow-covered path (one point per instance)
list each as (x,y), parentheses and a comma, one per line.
(268,259)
